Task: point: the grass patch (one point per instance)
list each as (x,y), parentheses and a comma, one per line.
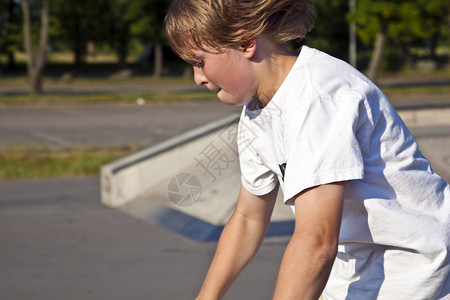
(444,88)
(34,163)
(104,98)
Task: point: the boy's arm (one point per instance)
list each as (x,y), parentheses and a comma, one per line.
(239,242)
(310,254)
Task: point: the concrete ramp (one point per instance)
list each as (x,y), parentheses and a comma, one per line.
(188,184)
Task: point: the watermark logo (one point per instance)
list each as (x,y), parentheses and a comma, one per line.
(184,190)
(214,161)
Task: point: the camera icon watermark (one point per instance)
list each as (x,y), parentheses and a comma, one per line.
(184,190)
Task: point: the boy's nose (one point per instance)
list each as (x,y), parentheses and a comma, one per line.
(199,76)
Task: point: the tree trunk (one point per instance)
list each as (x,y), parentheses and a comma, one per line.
(78,55)
(377,55)
(45,20)
(159,57)
(36,82)
(78,46)
(122,55)
(433,46)
(11,60)
(35,66)
(27,36)
(405,53)
(123,44)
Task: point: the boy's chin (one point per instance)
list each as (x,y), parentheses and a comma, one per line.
(230,101)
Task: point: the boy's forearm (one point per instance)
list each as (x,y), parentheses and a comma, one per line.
(240,240)
(304,270)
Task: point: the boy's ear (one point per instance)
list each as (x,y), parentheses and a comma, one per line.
(249,48)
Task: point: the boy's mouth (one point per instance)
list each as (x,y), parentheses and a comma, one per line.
(214,89)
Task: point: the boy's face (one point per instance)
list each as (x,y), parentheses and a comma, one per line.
(227,72)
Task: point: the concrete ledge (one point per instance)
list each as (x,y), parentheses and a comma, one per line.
(124,179)
(429,116)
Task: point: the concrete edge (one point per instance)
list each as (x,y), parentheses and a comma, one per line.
(425,116)
(122,163)
(401,107)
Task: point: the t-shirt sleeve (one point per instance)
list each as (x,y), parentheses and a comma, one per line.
(321,145)
(256,177)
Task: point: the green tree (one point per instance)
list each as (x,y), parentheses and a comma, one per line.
(435,24)
(10,26)
(148,27)
(402,22)
(330,32)
(372,18)
(137,20)
(119,24)
(119,17)
(76,22)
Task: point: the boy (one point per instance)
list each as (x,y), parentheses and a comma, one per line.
(372,219)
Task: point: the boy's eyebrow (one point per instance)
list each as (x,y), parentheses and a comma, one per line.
(196,62)
(192,59)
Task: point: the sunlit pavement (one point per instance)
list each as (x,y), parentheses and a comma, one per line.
(59,242)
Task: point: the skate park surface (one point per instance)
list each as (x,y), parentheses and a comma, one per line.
(59,241)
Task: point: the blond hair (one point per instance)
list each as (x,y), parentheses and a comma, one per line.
(217,24)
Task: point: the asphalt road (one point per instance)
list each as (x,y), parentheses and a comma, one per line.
(103,125)
(59,242)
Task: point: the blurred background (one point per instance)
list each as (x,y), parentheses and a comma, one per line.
(85,82)
(69,40)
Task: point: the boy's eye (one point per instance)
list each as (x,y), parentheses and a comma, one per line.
(199,64)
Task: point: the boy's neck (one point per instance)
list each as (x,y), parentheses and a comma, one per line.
(273,64)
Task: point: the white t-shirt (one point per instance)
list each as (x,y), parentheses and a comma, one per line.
(329,123)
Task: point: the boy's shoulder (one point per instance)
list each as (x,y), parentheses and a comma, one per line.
(326,75)
(323,66)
